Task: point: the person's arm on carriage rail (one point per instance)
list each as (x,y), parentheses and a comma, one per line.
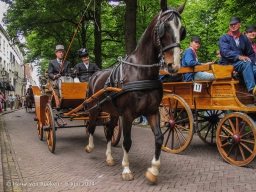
(85,69)
(236,49)
(55,64)
(190,59)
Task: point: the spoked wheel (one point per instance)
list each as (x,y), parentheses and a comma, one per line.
(176,121)
(207,125)
(117,131)
(40,130)
(235,138)
(50,132)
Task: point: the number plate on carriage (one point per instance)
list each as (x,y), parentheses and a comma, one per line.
(197,87)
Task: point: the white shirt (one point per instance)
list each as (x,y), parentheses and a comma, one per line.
(86,65)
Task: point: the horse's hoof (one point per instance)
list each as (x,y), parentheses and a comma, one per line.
(127,176)
(150,177)
(88,149)
(110,162)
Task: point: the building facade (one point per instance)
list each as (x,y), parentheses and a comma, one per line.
(14,73)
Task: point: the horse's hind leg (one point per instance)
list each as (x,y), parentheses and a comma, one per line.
(153,171)
(92,124)
(110,129)
(127,174)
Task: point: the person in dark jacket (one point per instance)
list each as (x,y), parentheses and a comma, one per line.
(236,50)
(29,90)
(85,69)
(189,59)
(55,65)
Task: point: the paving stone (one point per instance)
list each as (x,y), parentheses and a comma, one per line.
(30,166)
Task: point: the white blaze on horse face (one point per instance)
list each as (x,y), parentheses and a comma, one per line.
(175,59)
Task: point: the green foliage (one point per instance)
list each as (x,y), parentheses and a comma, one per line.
(45,23)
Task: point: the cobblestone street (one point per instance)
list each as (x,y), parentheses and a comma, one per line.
(28,165)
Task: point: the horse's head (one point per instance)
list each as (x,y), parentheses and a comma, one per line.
(169,32)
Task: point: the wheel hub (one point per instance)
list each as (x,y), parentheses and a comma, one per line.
(235,139)
(170,123)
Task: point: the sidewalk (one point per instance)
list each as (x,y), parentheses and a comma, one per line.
(6,161)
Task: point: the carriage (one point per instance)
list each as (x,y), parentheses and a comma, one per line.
(57,103)
(221,112)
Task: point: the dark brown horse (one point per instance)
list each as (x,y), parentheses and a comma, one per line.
(138,77)
(29,100)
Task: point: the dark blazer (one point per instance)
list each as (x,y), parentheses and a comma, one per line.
(230,52)
(54,68)
(83,74)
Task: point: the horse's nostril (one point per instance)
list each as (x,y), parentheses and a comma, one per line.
(170,69)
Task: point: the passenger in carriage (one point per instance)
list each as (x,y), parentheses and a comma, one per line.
(236,49)
(190,59)
(55,64)
(85,69)
(250,32)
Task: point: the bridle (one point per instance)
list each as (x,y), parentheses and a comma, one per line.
(159,31)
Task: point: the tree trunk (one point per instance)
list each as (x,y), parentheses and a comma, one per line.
(130,26)
(97,35)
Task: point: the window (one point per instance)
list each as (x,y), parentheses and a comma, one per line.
(3,46)
(0,43)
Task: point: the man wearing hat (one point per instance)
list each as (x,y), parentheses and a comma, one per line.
(250,32)
(85,69)
(55,65)
(236,50)
(189,59)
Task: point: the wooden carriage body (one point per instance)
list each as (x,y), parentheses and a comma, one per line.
(56,100)
(223,112)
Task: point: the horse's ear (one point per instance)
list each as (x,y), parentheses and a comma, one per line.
(180,8)
(163,5)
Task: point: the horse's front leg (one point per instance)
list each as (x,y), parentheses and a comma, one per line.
(110,129)
(92,124)
(153,172)
(127,174)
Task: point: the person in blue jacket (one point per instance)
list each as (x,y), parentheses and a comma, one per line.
(236,50)
(189,59)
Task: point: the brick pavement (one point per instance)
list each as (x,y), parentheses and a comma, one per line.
(31,167)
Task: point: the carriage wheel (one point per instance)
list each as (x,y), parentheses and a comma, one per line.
(117,131)
(50,132)
(40,130)
(176,121)
(208,123)
(236,138)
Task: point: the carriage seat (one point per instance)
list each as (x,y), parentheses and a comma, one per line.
(220,72)
(64,79)
(167,77)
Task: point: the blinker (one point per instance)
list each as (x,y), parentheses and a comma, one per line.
(161,30)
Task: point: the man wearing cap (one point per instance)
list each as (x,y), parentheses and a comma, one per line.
(236,49)
(85,69)
(250,32)
(55,65)
(189,59)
